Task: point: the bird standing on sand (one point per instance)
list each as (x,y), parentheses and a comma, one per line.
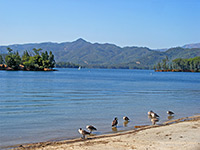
(154,120)
(83,132)
(170,113)
(126,118)
(91,128)
(115,122)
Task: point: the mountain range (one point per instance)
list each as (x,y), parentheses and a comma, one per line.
(95,55)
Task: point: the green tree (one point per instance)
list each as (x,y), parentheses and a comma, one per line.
(1,59)
(25,56)
(165,65)
(159,66)
(37,51)
(51,60)
(13,60)
(17,59)
(187,64)
(37,61)
(177,63)
(196,63)
(30,64)
(154,67)
(9,50)
(10,61)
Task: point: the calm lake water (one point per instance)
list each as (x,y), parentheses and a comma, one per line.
(45,106)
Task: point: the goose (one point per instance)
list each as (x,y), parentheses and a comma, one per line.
(91,128)
(83,132)
(115,122)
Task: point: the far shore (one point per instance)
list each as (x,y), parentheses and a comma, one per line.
(175,70)
(176,134)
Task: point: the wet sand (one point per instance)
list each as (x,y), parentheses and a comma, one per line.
(181,134)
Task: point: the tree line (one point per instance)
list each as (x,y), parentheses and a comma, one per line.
(34,61)
(179,64)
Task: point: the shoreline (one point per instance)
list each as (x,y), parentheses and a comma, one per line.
(175,70)
(104,139)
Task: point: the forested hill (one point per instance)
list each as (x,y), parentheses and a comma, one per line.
(106,55)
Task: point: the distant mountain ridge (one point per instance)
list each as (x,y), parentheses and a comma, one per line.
(106,55)
(195,45)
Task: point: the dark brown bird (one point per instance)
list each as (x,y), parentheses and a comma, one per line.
(91,128)
(83,132)
(115,122)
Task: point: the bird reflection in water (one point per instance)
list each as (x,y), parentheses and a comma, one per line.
(125,123)
(114,129)
(170,117)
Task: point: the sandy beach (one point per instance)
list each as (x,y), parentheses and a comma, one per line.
(181,134)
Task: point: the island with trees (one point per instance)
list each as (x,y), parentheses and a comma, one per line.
(179,65)
(29,61)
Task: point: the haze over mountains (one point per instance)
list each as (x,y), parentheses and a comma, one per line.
(108,55)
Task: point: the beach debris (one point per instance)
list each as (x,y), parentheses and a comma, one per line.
(141,126)
(83,133)
(170,113)
(115,122)
(126,118)
(91,128)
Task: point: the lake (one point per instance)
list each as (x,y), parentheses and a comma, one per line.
(46,106)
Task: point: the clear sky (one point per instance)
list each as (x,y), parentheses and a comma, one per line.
(150,23)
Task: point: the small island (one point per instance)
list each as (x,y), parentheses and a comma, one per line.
(179,65)
(29,61)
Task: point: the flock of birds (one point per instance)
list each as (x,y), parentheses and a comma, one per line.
(155,117)
(152,115)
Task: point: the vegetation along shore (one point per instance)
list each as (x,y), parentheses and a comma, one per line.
(179,65)
(30,61)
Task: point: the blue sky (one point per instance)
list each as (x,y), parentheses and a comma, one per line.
(150,23)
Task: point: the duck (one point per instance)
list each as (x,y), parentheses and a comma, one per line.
(115,122)
(83,133)
(91,128)
(170,113)
(154,115)
(150,112)
(126,118)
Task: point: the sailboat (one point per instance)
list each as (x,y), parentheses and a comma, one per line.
(79,68)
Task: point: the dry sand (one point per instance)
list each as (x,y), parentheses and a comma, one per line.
(181,134)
